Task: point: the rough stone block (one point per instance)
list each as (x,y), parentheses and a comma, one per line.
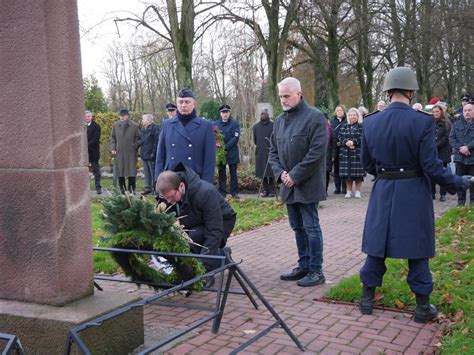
(43,329)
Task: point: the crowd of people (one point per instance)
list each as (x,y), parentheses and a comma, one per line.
(406,149)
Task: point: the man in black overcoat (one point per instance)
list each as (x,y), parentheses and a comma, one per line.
(262,132)
(204,213)
(93,147)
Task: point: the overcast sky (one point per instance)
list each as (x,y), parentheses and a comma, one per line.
(98,31)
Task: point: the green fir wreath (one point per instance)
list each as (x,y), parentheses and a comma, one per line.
(221,159)
(135,223)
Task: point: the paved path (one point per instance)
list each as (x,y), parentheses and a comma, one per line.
(323,328)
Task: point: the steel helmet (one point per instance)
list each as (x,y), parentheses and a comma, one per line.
(402,78)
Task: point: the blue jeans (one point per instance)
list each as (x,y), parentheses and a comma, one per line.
(304,221)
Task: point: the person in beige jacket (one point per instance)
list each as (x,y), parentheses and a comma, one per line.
(124,146)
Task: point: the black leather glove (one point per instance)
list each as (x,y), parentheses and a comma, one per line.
(467,182)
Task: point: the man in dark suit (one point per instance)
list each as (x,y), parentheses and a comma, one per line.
(398,144)
(230,129)
(93,147)
(187,139)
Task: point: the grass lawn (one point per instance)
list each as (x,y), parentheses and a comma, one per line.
(250,215)
(453,277)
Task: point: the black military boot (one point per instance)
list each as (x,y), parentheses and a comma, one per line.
(424,311)
(366,303)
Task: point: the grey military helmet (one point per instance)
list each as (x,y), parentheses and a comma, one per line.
(402,78)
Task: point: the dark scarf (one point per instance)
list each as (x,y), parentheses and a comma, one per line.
(185,119)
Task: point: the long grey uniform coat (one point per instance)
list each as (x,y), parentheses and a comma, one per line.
(400,218)
(124,141)
(261,137)
(298,146)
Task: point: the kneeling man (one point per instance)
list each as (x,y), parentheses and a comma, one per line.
(201,209)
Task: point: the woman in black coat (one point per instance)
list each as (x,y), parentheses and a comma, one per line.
(336,124)
(443,128)
(350,167)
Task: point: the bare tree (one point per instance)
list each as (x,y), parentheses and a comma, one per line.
(177,26)
(274,41)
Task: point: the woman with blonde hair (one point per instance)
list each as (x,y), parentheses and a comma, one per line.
(350,167)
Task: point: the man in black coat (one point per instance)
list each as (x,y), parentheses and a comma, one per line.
(298,158)
(206,215)
(93,147)
(262,132)
(148,142)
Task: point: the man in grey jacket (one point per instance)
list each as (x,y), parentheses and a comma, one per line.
(298,159)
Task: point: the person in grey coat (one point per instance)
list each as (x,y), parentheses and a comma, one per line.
(124,146)
(261,137)
(298,159)
(148,142)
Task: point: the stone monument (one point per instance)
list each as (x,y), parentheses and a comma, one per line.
(45,219)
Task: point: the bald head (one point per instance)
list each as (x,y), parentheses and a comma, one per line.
(289,91)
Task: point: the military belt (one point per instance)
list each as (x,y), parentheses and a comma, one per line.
(398,175)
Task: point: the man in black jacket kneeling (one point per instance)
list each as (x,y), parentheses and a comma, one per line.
(204,213)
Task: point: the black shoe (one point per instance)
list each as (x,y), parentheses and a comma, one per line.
(98,191)
(271,194)
(295,274)
(366,303)
(343,191)
(442,198)
(313,278)
(424,311)
(146,192)
(236,197)
(337,192)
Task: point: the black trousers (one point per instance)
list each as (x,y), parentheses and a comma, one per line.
(464,169)
(131,184)
(268,185)
(198,235)
(96,172)
(339,183)
(419,275)
(234,185)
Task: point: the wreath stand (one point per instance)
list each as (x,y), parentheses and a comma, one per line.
(216,312)
(13,345)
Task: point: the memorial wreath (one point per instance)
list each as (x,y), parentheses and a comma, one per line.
(135,223)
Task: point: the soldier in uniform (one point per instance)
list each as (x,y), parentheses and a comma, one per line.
(398,144)
(170,110)
(231,130)
(187,139)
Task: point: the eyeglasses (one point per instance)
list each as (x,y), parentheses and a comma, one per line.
(170,195)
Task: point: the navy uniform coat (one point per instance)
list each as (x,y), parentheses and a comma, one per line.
(400,219)
(93,141)
(231,132)
(193,145)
